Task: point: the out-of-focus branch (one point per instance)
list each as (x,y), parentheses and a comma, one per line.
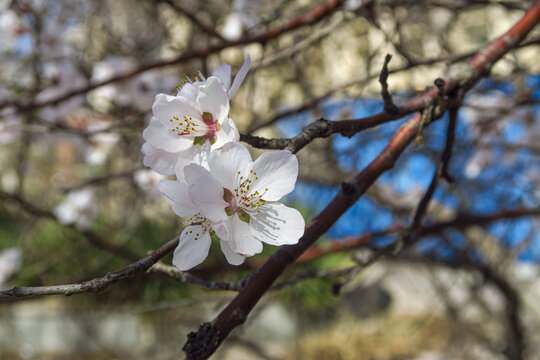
(369,121)
(442,170)
(202,344)
(310,17)
(515,348)
(288,52)
(460,222)
(98,180)
(117,250)
(92,237)
(198,23)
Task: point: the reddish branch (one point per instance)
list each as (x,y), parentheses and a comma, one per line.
(308,18)
(202,344)
(460,222)
(349,127)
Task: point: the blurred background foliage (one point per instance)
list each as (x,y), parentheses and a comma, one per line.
(71,166)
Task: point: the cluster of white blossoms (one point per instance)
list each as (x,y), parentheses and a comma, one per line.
(219,190)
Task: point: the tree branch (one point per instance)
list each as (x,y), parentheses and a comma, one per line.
(198,23)
(442,168)
(202,344)
(94,285)
(310,17)
(460,222)
(389,105)
(351,127)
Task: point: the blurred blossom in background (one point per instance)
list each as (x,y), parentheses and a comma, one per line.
(10,263)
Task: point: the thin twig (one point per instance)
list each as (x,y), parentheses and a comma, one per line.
(389,105)
(185,277)
(202,26)
(372,120)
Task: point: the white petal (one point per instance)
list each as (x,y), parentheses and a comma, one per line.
(176,194)
(227,133)
(159,160)
(228,163)
(207,194)
(189,91)
(232,257)
(240,239)
(223,73)
(277,224)
(193,172)
(197,154)
(166,106)
(221,229)
(212,98)
(240,76)
(276,171)
(161,137)
(190,252)
(65,213)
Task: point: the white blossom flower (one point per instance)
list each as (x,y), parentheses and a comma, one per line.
(148,180)
(10,28)
(10,262)
(188,87)
(61,77)
(102,145)
(242,17)
(10,129)
(236,200)
(78,208)
(185,128)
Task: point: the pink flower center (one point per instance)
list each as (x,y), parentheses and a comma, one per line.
(233,207)
(211,124)
(202,131)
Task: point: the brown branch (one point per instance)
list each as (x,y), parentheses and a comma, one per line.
(461,221)
(442,168)
(389,105)
(94,285)
(98,180)
(323,128)
(515,348)
(117,250)
(202,344)
(310,17)
(351,127)
(202,26)
(185,277)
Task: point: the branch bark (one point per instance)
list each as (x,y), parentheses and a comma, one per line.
(202,344)
(94,285)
